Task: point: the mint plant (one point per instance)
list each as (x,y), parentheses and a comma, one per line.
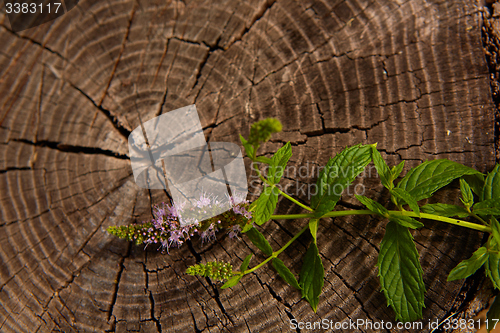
(399,269)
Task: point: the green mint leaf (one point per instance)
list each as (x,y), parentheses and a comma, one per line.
(493,268)
(493,314)
(285,273)
(260,241)
(312,276)
(491,188)
(469,266)
(422,181)
(373,205)
(444,210)
(495,229)
(467,197)
(247,227)
(262,130)
(476,183)
(249,149)
(266,204)
(245,263)
(313,228)
(278,163)
(382,169)
(487,207)
(406,221)
(400,273)
(396,170)
(232,282)
(339,172)
(263,159)
(404,196)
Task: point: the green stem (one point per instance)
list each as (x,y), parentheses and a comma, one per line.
(331,214)
(275,254)
(392,212)
(295,201)
(460,223)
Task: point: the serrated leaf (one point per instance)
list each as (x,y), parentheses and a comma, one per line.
(487,207)
(313,228)
(400,273)
(373,205)
(495,229)
(338,174)
(382,169)
(311,276)
(278,163)
(249,149)
(245,263)
(266,204)
(260,241)
(476,183)
(232,282)
(444,210)
(491,187)
(467,197)
(396,170)
(404,196)
(493,269)
(285,273)
(469,266)
(263,159)
(406,221)
(493,314)
(422,181)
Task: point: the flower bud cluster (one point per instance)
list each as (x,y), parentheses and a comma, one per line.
(216,270)
(172,224)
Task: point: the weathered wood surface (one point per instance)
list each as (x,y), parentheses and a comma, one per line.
(410,75)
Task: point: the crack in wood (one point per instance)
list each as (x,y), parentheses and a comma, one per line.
(73,149)
(151,300)
(117,280)
(260,14)
(113,119)
(115,66)
(35,42)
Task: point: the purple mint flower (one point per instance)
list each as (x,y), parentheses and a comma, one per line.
(204,201)
(235,230)
(164,245)
(159,212)
(238,210)
(189,222)
(208,235)
(237,198)
(242,211)
(157,223)
(175,210)
(175,238)
(185,230)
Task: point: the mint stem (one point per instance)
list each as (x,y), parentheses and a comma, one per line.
(460,223)
(275,254)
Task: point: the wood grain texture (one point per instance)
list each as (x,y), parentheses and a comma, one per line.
(410,75)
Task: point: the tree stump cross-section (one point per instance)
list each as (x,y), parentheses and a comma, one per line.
(410,75)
